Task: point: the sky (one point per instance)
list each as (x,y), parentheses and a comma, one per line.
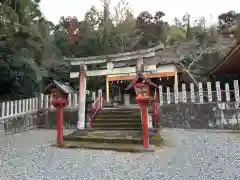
(210,9)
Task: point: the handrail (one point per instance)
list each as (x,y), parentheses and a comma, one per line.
(96,107)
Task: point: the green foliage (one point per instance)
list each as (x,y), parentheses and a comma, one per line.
(176,35)
(227,19)
(26,45)
(32,48)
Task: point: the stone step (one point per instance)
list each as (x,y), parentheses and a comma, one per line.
(118,116)
(130,124)
(108,146)
(120,112)
(118,128)
(92,132)
(121,109)
(100,139)
(116,120)
(118,140)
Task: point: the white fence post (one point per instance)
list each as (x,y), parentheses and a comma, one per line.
(94,96)
(184,93)
(69,100)
(37,103)
(209,89)
(23,105)
(160,95)
(3,109)
(168,95)
(75,97)
(19,106)
(41,100)
(46,102)
(8,109)
(192,91)
(15,107)
(236,90)
(218,89)
(100,105)
(200,88)
(176,93)
(32,104)
(27,105)
(227,91)
(11,107)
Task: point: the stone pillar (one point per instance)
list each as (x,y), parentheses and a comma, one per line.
(126,99)
(88,112)
(119,95)
(82,97)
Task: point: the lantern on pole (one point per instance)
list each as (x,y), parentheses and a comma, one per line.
(59,92)
(142,88)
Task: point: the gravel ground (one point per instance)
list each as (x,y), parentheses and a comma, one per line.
(187,155)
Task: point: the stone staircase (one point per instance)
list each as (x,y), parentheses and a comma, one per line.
(118,119)
(118,129)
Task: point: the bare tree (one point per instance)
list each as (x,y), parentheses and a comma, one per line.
(197,62)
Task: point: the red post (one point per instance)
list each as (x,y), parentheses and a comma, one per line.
(59,125)
(59,104)
(144,114)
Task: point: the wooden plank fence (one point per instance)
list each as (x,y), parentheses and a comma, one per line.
(199,94)
(10,109)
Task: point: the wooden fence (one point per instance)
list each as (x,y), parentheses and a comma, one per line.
(201,93)
(9,109)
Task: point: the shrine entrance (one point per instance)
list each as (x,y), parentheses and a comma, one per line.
(119,69)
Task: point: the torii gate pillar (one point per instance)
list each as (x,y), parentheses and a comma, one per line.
(82,97)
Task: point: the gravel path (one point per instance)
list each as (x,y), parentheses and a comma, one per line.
(188,155)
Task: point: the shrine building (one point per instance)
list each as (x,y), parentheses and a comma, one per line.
(228,69)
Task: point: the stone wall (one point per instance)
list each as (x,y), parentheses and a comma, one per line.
(40,119)
(21,122)
(207,115)
(70,117)
(49,119)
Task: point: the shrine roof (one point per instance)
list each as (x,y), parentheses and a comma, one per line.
(65,88)
(229,64)
(140,76)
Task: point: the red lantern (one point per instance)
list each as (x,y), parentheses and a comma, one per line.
(141,86)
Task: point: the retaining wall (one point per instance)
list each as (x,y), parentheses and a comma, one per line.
(208,115)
